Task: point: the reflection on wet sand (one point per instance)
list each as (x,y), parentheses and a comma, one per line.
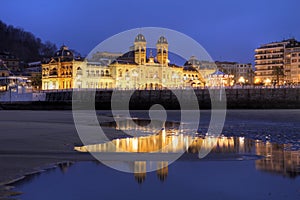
(170,140)
(140,171)
(275,159)
(278,160)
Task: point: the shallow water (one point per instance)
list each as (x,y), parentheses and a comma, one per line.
(232,170)
(192,180)
(255,158)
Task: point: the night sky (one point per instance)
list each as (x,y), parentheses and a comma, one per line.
(228,29)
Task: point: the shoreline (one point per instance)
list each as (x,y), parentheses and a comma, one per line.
(235,98)
(7,188)
(53,161)
(31,140)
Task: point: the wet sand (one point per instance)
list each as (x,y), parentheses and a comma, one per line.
(32,140)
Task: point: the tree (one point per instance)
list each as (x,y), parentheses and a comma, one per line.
(48,49)
(36,81)
(24,45)
(278,71)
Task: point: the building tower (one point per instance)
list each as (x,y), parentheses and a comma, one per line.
(162,50)
(140,49)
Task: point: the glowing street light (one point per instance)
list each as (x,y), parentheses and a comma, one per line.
(267,81)
(242,80)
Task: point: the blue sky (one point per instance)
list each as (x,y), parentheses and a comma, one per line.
(228,29)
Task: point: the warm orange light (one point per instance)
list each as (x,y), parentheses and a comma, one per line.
(257,81)
(242,79)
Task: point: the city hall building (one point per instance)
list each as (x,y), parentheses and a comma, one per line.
(132,70)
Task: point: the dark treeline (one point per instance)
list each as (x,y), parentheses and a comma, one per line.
(24,45)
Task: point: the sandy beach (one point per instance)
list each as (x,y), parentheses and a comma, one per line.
(33,140)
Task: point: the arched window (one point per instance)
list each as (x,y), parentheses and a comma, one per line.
(106,73)
(79,71)
(53,72)
(126,73)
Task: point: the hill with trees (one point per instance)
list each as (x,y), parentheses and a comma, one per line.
(24,45)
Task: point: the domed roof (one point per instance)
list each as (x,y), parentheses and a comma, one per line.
(64,53)
(140,38)
(162,40)
(127,58)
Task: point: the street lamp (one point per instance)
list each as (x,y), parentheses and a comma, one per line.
(267,81)
(242,80)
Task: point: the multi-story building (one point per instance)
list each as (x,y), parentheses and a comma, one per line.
(132,70)
(59,72)
(11,61)
(242,73)
(206,68)
(270,63)
(292,63)
(226,67)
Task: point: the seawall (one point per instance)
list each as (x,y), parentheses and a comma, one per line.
(250,98)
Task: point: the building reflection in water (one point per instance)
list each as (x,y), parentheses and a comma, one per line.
(278,159)
(275,159)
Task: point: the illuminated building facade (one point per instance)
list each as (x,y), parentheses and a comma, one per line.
(220,79)
(292,63)
(277,63)
(240,73)
(136,70)
(206,68)
(59,72)
(132,70)
(244,74)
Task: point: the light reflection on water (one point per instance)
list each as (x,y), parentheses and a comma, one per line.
(220,176)
(269,157)
(235,169)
